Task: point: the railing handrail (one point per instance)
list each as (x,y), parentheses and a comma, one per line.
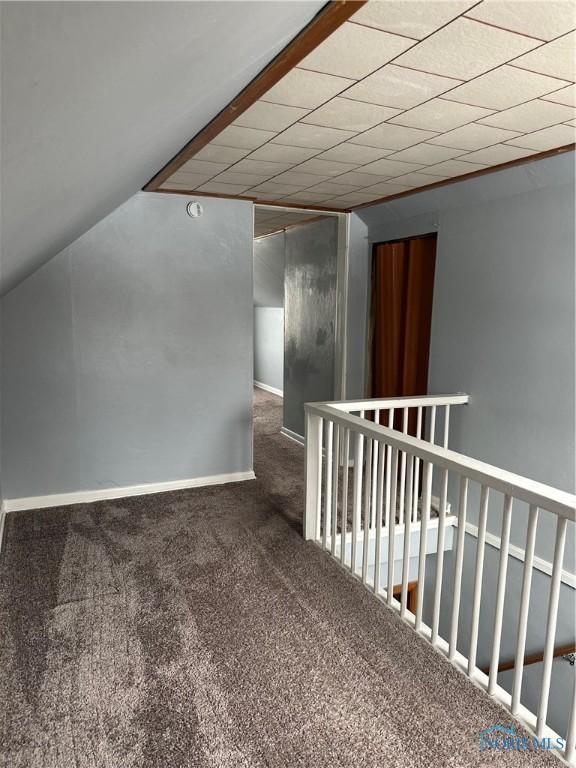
(382,404)
(530,491)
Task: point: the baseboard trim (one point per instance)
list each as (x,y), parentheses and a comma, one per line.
(268,388)
(2,520)
(102,494)
(292,435)
(545,566)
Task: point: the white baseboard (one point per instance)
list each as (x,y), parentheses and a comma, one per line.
(85,497)
(268,388)
(292,435)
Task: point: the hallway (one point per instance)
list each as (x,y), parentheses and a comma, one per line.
(197,628)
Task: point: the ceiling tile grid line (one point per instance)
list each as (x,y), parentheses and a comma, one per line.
(328,102)
(492,109)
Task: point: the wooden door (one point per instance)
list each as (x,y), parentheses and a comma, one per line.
(402,291)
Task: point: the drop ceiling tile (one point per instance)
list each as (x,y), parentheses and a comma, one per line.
(243,138)
(391,137)
(354,153)
(301,180)
(440,115)
(203,167)
(426,154)
(325,167)
(417,179)
(192,180)
(330,188)
(352,199)
(316,136)
(499,153)
(544,20)
(270,117)
(223,189)
(417,19)
(216,154)
(453,168)
(532,116)
(390,168)
(354,51)
(386,190)
(359,179)
(563,96)
(248,179)
(504,87)
(302,88)
(555,59)
(275,153)
(465,49)
(305,197)
(400,88)
(473,136)
(259,167)
(350,115)
(548,138)
(276,188)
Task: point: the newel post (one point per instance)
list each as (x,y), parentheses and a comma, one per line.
(313,464)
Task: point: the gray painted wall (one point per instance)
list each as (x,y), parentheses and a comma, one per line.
(309,321)
(269,346)
(127,359)
(269,263)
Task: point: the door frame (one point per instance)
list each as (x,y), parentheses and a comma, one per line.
(341,319)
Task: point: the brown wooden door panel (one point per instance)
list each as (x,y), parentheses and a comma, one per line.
(402,293)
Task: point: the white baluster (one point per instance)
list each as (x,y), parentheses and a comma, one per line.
(441,537)
(480,546)
(524,605)
(407,534)
(388,472)
(378,521)
(500,593)
(346,460)
(313,464)
(458,567)
(424,518)
(402,494)
(328,493)
(357,500)
(367,498)
(551,623)
(417,470)
(335,470)
(392,529)
(375,450)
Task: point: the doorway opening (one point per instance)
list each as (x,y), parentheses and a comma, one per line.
(299,316)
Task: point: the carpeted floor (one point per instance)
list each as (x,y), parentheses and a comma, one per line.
(197,628)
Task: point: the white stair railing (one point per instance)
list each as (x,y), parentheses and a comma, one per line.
(382,526)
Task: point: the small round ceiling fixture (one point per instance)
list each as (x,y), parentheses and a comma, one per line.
(194,209)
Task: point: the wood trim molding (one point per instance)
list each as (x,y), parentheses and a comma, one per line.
(472,175)
(534,658)
(332,16)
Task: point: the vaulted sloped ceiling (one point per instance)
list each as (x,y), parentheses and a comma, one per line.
(96,96)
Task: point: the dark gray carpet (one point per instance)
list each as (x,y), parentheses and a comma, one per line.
(197,628)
